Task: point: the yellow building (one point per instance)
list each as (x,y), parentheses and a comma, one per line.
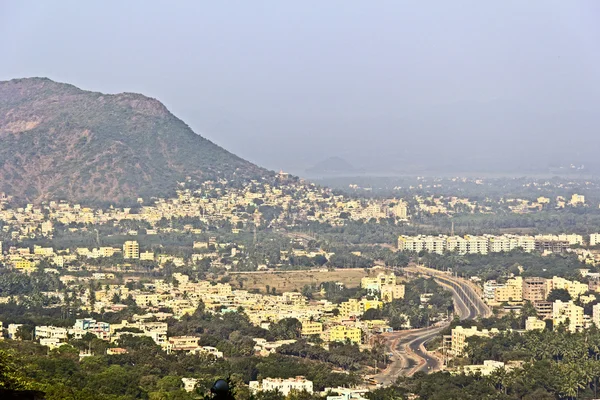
(567,312)
(532,324)
(131,250)
(147,256)
(377,282)
(392,292)
(22,263)
(575,288)
(341,333)
(460,336)
(106,251)
(512,291)
(311,328)
(354,307)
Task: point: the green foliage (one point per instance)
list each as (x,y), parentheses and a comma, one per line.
(346,356)
(558,294)
(496,265)
(439,304)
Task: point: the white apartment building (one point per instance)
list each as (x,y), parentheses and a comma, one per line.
(466,245)
(284,386)
(596,314)
(48,332)
(594,239)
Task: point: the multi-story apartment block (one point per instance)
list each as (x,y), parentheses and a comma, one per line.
(50,332)
(131,250)
(341,333)
(467,245)
(355,307)
(147,256)
(543,309)
(311,327)
(392,292)
(596,314)
(460,336)
(563,312)
(534,324)
(457,244)
(283,386)
(12,331)
(534,289)
(512,291)
(377,282)
(594,239)
(575,288)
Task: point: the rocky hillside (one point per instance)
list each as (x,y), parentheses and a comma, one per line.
(61,142)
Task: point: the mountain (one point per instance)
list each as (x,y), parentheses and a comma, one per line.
(60,142)
(332,166)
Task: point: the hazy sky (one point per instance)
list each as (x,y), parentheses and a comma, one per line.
(289,83)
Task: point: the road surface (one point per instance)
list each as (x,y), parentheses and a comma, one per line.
(408,347)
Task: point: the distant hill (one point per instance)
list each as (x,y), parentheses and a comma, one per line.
(61,142)
(332,166)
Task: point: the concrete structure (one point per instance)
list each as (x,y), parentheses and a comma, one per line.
(283,386)
(512,291)
(534,289)
(341,333)
(131,250)
(46,332)
(567,313)
(488,367)
(532,324)
(460,336)
(311,327)
(468,245)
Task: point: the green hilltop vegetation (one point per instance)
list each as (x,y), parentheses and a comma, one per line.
(60,142)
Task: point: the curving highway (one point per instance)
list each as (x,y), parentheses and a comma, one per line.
(408,347)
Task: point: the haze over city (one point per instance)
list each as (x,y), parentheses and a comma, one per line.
(299,200)
(390,87)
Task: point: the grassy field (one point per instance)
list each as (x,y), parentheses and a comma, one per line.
(289,281)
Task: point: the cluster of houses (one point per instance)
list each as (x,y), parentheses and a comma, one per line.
(331,322)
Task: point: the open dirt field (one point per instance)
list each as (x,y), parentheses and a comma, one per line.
(289,281)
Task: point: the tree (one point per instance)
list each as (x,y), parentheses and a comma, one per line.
(558,294)
(287,328)
(11,375)
(307,291)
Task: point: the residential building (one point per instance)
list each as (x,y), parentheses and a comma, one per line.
(392,292)
(512,291)
(577,200)
(534,289)
(543,309)
(341,333)
(12,331)
(311,328)
(460,336)
(532,323)
(47,332)
(488,367)
(355,307)
(563,312)
(131,250)
(596,314)
(283,386)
